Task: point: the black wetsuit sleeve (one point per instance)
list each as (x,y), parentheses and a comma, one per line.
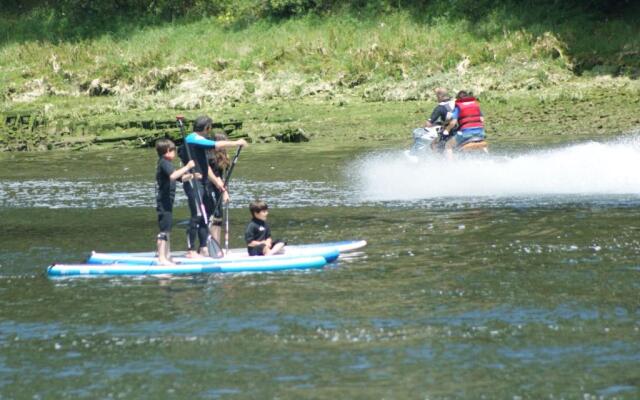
(167,168)
(439,114)
(250,233)
(165,188)
(267,233)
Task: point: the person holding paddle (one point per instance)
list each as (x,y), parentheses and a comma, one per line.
(216,188)
(195,147)
(166,176)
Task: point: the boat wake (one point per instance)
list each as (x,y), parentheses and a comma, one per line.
(591,168)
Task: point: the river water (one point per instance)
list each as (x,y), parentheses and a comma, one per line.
(510,276)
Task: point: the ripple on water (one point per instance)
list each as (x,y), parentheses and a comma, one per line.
(98,194)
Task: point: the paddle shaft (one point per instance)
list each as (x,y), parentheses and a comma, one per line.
(227,176)
(226,228)
(219,201)
(199,204)
(233,164)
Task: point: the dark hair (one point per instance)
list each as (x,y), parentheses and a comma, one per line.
(219,156)
(257,205)
(202,123)
(462,94)
(163,146)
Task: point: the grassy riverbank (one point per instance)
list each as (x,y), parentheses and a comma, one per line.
(343,77)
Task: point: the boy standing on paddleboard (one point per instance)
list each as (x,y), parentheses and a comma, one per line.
(166,176)
(258,234)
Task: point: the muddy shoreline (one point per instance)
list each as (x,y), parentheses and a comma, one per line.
(563,114)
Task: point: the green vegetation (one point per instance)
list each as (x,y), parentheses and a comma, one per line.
(99,64)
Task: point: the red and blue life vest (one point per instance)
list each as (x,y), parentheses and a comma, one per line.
(469,115)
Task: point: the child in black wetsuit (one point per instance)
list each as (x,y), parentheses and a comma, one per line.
(258,234)
(166,176)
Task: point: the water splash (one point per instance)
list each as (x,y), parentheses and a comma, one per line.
(582,169)
(588,169)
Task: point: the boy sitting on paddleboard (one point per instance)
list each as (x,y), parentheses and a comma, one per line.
(258,234)
(166,176)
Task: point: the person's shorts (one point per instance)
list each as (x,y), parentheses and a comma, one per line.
(259,250)
(256,250)
(469,134)
(165,220)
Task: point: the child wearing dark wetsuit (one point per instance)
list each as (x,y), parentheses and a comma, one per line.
(258,234)
(166,176)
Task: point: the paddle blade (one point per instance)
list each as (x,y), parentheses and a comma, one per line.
(215,251)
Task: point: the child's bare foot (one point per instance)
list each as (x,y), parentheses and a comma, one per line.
(193,254)
(164,261)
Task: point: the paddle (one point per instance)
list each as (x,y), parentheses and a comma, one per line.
(225,181)
(233,164)
(214,248)
(226,206)
(226,228)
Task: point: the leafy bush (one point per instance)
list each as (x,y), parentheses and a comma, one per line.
(75,19)
(578,34)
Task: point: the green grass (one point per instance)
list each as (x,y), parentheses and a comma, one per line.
(315,66)
(345,53)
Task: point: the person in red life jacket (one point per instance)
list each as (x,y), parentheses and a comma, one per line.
(441,115)
(468,117)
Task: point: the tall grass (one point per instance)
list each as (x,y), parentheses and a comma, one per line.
(397,56)
(311,46)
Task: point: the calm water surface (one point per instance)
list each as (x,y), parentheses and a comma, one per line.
(519,278)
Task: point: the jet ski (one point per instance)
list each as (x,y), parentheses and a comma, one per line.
(429,140)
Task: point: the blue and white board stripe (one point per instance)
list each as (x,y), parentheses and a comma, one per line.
(295,250)
(60,270)
(330,255)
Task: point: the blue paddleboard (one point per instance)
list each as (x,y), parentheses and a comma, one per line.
(255,264)
(330,255)
(326,249)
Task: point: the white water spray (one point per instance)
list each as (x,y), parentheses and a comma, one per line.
(582,169)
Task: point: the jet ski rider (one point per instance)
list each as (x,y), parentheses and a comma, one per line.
(441,115)
(469,120)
